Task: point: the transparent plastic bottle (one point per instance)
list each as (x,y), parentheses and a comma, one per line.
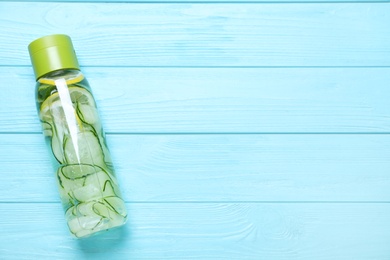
(88,188)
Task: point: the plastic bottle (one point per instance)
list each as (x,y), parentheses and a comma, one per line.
(67,110)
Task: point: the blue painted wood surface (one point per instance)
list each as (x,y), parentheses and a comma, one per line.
(239,130)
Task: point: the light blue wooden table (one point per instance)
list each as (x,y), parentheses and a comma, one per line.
(239,130)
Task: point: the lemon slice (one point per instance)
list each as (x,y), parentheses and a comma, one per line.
(56,125)
(85,107)
(74,80)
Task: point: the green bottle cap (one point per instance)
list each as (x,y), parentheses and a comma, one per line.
(51,53)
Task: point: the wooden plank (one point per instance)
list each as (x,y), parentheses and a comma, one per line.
(120,34)
(205,100)
(210,1)
(205,231)
(216,168)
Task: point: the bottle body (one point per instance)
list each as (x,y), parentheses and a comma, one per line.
(87,184)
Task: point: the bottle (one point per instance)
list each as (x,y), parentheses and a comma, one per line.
(85,175)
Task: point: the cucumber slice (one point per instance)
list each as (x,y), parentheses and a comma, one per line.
(82,183)
(90,217)
(56,148)
(47,129)
(85,105)
(96,186)
(84,223)
(71,178)
(117,205)
(87,114)
(50,105)
(87,193)
(82,226)
(51,109)
(101,177)
(44,91)
(85,149)
(76,171)
(110,189)
(85,218)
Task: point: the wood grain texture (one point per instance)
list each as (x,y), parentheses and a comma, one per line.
(344,34)
(205,100)
(175,168)
(205,231)
(208,1)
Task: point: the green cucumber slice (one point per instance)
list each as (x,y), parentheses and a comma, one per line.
(117,205)
(47,129)
(84,148)
(70,178)
(56,148)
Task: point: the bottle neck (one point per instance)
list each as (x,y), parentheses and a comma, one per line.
(66,74)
